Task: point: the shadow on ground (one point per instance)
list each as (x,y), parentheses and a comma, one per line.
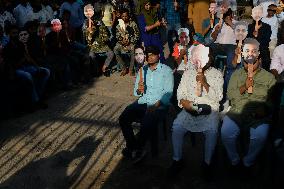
(52,172)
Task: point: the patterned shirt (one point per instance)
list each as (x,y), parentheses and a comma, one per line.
(97,39)
(158,85)
(131,32)
(172,16)
(187,91)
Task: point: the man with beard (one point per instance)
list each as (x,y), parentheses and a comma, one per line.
(250,110)
(154,91)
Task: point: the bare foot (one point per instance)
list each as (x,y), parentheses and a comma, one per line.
(104,68)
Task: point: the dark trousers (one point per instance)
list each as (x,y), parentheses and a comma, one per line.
(149,124)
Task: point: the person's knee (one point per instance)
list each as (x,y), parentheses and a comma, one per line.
(228,129)
(124,116)
(46,72)
(24,75)
(260,134)
(177,129)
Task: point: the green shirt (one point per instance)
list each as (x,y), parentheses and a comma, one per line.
(244,106)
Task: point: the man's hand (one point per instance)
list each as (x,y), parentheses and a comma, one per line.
(238,51)
(182,52)
(201,78)
(176,5)
(249,82)
(140,89)
(125,41)
(154,107)
(218,27)
(186,104)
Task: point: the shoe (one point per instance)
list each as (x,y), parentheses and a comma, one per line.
(236,170)
(139,155)
(132,73)
(42,105)
(107,73)
(175,168)
(128,153)
(124,72)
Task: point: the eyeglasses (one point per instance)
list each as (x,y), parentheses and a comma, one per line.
(271,10)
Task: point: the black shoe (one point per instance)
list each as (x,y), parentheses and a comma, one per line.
(42,105)
(128,153)
(107,73)
(236,170)
(207,171)
(175,168)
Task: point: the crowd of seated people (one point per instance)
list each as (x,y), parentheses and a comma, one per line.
(48,44)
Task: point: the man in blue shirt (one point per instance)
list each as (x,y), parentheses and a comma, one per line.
(154,90)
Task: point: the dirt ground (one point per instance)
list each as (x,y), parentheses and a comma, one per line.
(77,143)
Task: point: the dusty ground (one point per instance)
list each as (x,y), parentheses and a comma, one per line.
(76,143)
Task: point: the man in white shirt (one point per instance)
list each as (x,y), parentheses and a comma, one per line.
(273,21)
(225,43)
(23,13)
(200,106)
(264,4)
(277,61)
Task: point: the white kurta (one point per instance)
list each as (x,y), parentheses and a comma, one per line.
(186,91)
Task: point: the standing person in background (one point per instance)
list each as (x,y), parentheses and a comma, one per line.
(77,16)
(262,33)
(108,13)
(22,12)
(273,21)
(5,17)
(149,24)
(172,11)
(197,13)
(225,43)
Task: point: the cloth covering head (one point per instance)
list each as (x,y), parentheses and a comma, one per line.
(185,30)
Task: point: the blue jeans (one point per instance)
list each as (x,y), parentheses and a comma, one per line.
(229,133)
(149,124)
(37,77)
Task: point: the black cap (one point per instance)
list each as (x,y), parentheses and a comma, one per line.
(153,50)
